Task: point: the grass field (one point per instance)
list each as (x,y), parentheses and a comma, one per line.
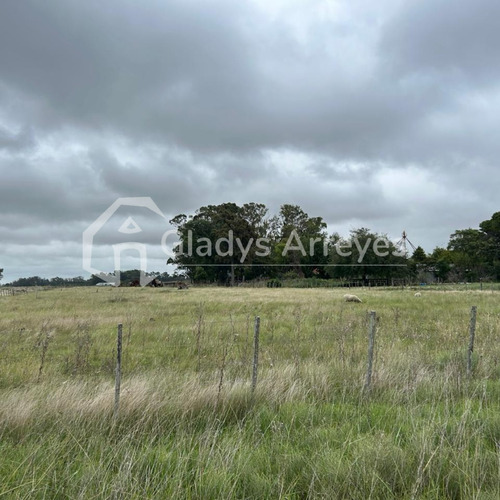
(188,426)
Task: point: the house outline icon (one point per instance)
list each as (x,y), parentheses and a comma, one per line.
(128,227)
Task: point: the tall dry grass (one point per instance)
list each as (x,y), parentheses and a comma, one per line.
(188,425)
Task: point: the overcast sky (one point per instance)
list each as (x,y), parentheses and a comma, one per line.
(377,114)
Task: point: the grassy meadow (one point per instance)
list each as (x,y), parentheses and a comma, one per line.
(188,425)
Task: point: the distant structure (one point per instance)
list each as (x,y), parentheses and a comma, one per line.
(401,245)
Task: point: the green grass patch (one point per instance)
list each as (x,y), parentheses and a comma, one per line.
(189,426)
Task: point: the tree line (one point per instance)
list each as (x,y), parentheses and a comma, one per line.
(126,278)
(291,244)
(471,254)
(228,244)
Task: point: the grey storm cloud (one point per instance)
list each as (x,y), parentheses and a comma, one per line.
(381,114)
(456,40)
(207,75)
(19,141)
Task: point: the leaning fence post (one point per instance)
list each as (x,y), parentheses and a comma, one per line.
(255,352)
(118,374)
(371,343)
(472,333)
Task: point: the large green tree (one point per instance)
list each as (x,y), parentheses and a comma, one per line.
(475,253)
(366,256)
(418,264)
(468,249)
(260,246)
(219,242)
(441,262)
(299,242)
(491,229)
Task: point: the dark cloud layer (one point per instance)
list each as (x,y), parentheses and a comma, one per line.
(376,114)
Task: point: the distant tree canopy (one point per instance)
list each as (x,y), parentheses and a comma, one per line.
(298,241)
(57,281)
(367,256)
(475,253)
(126,277)
(288,244)
(293,244)
(419,256)
(216,239)
(471,255)
(228,243)
(1,273)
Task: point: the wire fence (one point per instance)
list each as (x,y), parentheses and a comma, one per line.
(207,343)
(7,292)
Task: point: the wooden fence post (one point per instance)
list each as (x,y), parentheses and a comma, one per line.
(472,333)
(255,352)
(118,374)
(371,343)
